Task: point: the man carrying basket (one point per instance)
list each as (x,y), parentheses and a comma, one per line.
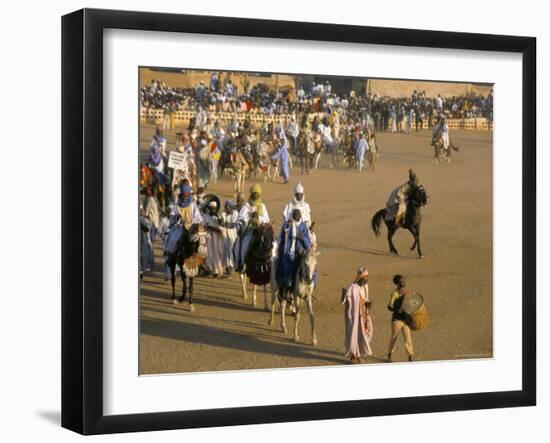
(399,318)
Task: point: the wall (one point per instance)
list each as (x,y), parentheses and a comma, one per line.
(30,225)
(192,79)
(402,88)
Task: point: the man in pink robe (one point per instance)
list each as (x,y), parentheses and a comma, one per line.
(358,322)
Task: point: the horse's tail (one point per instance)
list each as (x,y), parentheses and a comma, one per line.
(377,221)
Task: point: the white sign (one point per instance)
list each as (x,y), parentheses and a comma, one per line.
(176,160)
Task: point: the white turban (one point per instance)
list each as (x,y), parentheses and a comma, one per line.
(299,189)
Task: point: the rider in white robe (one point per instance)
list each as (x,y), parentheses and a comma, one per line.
(298,202)
(228,223)
(442,130)
(397,203)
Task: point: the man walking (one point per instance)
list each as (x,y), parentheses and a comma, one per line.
(398,319)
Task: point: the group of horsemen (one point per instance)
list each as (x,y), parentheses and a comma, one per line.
(213,148)
(207,147)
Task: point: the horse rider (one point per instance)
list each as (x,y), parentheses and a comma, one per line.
(441,131)
(252,214)
(185,213)
(397,203)
(186,208)
(298,202)
(294,243)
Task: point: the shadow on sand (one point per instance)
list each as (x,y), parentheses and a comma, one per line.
(209,335)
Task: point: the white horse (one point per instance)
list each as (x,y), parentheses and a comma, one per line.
(303,291)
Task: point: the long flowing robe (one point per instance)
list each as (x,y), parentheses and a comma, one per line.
(360,149)
(146,255)
(229,231)
(214,244)
(282,156)
(293,244)
(203,166)
(302,206)
(151,208)
(441,130)
(397,203)
(358,322)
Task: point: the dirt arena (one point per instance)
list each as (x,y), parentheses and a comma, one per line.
(455,276)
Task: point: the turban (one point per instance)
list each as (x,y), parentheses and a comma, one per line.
(256,189)
(362,273)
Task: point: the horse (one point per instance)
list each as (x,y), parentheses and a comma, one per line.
(310,147)
(347,144)
(258,261)
(439,145)
(189,253)
(263,164)
(412,220)
(148,177)
(303,291)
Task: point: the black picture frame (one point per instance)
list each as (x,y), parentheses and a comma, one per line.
(82,218)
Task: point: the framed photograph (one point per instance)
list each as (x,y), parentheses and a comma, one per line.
(270,221)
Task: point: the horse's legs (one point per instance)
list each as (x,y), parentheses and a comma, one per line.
(243,284)
(317,157)
(243,182)
(413,232)
(283,309)
(184,285)
(309,301)
(266,301)
(298,302)
(273,301)
(417,229)
(391,232)
(172,266)
(191,307)
(254,295)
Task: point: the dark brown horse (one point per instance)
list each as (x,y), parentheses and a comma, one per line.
(188,255)
(258,261)
(412,220)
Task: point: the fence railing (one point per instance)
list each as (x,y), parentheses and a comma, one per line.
(181,118)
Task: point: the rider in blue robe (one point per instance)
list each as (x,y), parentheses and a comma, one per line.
(294,243)
(282,155)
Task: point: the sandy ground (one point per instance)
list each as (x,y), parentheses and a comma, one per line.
(227,333)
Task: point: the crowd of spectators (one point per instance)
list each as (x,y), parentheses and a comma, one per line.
(221,94)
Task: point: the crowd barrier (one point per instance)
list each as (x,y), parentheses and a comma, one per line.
(181,119)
